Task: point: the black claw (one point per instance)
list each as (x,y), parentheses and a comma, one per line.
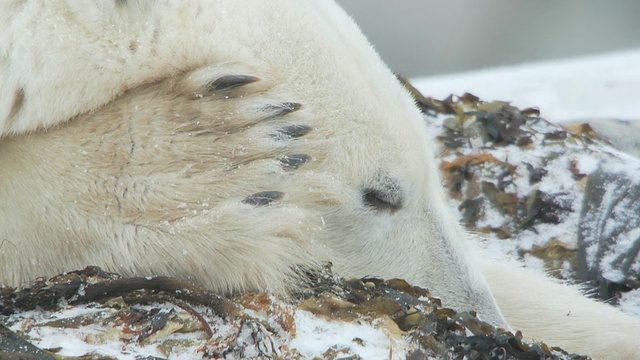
(282,109)
(263,198)
(231,81)
(294,131)
(294,161)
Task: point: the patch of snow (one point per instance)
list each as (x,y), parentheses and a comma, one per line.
(601,86)
(533,262)
(315,335)
(586,163)
(630,302)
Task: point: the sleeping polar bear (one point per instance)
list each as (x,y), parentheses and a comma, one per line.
(231,143)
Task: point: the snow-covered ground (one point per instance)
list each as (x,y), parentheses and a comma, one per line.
(602,86)
(601,90)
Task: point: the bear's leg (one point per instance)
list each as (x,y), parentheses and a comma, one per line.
(544,309)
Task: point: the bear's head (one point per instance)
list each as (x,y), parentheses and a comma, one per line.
(227,144)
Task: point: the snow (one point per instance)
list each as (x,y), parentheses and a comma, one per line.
(603,86)
(587,163)
(598,88)
(630,302)
(315,335)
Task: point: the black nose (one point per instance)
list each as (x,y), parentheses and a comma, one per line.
(383,194)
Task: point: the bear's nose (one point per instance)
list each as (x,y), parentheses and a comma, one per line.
(384,193)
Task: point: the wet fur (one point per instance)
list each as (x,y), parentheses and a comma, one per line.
(232,143)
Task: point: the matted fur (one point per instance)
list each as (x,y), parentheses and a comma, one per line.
(137,134)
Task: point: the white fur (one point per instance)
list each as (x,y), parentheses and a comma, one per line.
(544,309)
(142,171)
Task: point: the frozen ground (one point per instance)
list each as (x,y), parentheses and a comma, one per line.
(600,89)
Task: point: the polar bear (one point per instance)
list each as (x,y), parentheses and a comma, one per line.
(232,143)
